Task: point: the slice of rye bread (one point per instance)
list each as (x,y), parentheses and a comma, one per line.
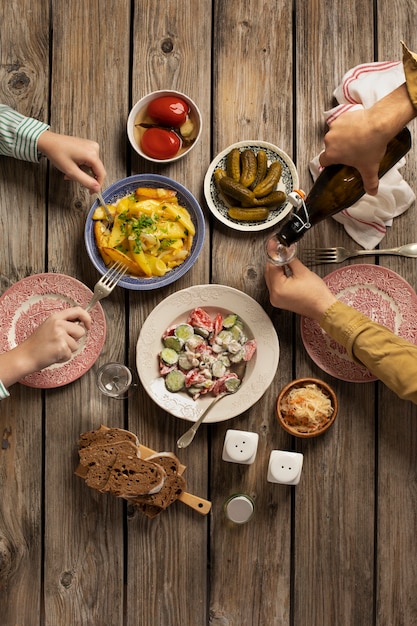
(106,435)
(132,476)
(173,487)
(167,460)
(98,460)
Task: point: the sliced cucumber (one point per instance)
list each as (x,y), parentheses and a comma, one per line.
(173,342)
(237,334)
(169,356)
(193,342)
(224,337)
(232,384)
(230,320)
(218,369)
(175,381)
(184,332)
(223,358)
(203,332)
(184,362)
(238,356)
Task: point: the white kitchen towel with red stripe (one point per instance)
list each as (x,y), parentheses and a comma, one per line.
(367,220)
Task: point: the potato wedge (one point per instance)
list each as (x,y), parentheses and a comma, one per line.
(116,255)
(157,193)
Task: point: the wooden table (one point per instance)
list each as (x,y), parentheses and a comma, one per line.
(339,548)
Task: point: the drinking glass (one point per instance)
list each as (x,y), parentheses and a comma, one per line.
(116,380)
(277,253)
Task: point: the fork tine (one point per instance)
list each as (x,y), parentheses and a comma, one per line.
(107,283)
(114,273)
(319,255)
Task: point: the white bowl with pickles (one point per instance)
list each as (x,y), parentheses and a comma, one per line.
(247,184)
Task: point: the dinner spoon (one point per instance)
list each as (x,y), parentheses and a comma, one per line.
(189,435)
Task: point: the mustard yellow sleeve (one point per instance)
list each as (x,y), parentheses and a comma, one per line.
(410,71)
(392,359)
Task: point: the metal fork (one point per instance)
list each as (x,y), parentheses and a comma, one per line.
(109,216)
(314,256)
(107,283)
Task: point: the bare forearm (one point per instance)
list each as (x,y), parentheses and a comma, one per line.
(390,114)
(14,366)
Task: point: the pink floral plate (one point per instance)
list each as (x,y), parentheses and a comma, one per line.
(379,293)
(26,304)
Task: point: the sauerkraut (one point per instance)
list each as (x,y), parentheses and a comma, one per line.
(306,409)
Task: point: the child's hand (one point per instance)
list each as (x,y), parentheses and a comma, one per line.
(68,154)
(54,341)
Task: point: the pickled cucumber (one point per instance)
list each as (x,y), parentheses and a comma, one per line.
(272,200)
(236,190)
(233,165)
(268,184)
(218,174)
(249,167)
(261,168)
(252,214)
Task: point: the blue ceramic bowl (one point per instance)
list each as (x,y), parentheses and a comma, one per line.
(129,185)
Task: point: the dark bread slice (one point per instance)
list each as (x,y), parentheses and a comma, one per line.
(173,487)
(100,458)
(132,476)
(106,435)
(152,504)
(167,460)
(101,452)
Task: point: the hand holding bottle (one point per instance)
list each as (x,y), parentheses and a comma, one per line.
(359,138)
(363,148)
(337,188)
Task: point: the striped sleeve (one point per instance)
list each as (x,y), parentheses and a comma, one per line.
(3,392)
(19,135)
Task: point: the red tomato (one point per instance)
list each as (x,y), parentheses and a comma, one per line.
(168,111)
(160,143)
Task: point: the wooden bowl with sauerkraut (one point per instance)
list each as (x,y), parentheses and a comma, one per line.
(306,407)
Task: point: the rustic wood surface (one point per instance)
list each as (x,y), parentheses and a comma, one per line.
(339,548)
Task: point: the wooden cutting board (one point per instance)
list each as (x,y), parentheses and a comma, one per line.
(200,505)
(195,502)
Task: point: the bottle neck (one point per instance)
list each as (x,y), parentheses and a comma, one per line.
(336,189)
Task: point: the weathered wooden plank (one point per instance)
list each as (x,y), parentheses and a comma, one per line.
(84,542)
(24,78)
(252,99)
(334,505)
(397,500)
(168,555)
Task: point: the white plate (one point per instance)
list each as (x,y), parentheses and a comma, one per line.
(27,303)
(260,370)
(288,182)
(382,295)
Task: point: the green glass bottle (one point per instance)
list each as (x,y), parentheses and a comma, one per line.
(335,189)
